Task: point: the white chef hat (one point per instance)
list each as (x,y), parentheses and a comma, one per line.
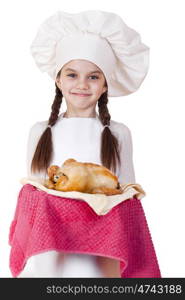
(99,37)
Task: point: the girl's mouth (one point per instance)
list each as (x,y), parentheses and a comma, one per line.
(81,95)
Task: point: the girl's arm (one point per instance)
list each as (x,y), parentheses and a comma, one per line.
(126,173)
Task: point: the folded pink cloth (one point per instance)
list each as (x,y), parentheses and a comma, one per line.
(44,222)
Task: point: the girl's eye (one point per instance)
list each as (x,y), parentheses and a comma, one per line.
(96,77)
(73,75)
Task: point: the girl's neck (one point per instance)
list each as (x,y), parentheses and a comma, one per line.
(79,115)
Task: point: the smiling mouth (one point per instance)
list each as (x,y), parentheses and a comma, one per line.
(81,95)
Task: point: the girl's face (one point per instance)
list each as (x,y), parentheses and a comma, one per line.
(82,83)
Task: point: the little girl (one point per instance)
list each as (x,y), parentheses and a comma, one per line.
(90,55)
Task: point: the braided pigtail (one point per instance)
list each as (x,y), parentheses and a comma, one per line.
(109,143)
(44,150)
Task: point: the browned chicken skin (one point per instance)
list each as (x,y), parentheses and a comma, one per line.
(82,177)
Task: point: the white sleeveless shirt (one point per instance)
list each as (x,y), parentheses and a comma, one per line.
(78,138)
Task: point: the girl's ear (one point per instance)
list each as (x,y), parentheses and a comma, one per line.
(104,89)
(57,82)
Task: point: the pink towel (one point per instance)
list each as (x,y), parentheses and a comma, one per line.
(45,222)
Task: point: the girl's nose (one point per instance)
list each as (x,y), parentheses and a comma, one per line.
(82,84)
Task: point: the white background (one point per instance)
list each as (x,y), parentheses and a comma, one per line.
(154,114)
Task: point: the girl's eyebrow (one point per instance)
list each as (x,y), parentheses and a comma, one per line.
(69,69)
